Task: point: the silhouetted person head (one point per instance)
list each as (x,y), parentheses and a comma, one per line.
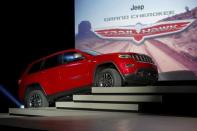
(84,26)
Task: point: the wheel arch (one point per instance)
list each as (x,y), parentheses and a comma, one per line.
(105,65)
(33,86)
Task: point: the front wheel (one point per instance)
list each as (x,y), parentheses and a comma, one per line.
(36,98)
(108,77)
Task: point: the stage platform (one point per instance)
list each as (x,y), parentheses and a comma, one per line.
(126,99)
(117,98)
(145,90)
(114,108)
(97,106)
(52,111)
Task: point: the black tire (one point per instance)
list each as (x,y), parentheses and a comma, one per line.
(108,77)
(36,98)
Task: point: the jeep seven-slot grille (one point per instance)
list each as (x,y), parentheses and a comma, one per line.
(142,58)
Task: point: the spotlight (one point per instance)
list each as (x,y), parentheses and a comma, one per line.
(22,106)
(10,96)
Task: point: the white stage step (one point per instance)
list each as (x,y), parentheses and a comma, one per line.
(47,111)
(118,98)
(52,111)
(97,106)
(145,89)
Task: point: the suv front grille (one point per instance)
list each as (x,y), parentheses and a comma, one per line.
(142,58)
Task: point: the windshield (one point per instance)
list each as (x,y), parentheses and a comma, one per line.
(91,52)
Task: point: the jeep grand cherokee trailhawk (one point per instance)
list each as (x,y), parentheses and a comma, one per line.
(64,73)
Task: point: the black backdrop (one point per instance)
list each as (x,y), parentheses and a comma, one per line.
(30,30)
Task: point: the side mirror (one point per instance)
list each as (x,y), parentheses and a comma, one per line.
(78,56)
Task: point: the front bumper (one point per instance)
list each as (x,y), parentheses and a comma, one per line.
(142,76)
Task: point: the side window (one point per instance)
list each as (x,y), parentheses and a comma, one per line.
(52,62)
(35,67)
(72,56)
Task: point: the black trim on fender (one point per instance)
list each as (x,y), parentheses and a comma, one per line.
(31,87)
(108,62)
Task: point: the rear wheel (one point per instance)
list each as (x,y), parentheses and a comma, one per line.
(108,77)
(36,98)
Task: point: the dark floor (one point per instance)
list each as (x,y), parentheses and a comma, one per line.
(100,121)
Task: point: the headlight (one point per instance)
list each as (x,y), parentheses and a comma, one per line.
(125,56)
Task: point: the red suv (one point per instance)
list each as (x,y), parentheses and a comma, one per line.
(61,74)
